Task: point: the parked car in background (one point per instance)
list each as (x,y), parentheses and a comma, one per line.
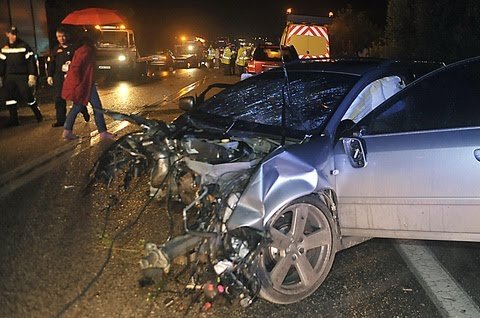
(265,57)
(279,172)
(189,53)
(162,60)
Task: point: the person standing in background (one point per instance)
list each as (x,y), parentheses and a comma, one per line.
(233,58)
(57,67)
(210,56)
(226,57)
(80,88)
(18,72)
(217,58)
(242,59)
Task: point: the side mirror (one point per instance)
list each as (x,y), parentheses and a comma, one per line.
(186,103)
(354,149)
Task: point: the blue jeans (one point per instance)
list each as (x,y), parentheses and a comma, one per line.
(97,112)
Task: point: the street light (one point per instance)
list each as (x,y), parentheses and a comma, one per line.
(330,14)
(289,11)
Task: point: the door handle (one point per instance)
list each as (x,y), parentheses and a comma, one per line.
(476,153)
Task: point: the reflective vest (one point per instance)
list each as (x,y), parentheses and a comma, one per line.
(242,57)
(211,53)
(226,56)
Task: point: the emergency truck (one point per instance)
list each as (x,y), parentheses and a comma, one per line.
(308,34)
(117,52)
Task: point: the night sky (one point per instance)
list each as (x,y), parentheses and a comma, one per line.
(157,23)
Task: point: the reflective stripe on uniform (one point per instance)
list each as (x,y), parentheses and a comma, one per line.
(28,55)
(3,56)
(30,104)
(11,102)
(14,50)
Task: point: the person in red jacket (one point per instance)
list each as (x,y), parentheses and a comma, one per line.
(80,88)
(57,66)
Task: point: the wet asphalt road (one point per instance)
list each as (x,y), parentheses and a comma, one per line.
(55,239)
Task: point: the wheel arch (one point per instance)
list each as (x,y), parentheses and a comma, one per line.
(329,198)
(288,174)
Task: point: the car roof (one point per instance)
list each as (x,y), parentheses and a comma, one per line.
(356,67)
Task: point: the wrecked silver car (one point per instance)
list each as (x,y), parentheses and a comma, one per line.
(258,169)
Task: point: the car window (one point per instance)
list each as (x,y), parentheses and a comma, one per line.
(267,54)
(131,39)
(273,54)
(372,96)
(289,54)
(312,97)
(447,99)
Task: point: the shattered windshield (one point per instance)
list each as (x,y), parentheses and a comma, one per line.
(312,97)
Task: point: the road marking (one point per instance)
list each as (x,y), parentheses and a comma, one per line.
(176,96)
(451,300)
(25,173)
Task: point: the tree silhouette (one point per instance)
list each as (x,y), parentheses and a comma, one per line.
(350,32)
(432,29)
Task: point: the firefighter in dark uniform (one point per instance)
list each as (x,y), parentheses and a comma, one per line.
(3,92)
(18,72)
(58,64)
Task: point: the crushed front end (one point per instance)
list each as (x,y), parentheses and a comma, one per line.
(206,175)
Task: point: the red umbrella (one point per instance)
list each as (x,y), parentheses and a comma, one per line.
(93,16)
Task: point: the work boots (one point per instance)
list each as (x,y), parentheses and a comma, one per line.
(13,120)
(36,112)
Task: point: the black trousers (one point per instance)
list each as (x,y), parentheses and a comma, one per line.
(226,69)
(60,103)
(19,85)
(18,89)
(3,96)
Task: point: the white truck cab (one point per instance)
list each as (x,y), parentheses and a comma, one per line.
(117,52)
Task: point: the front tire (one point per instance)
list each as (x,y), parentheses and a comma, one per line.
(301,252)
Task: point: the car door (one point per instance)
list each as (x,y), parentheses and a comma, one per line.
(415,170)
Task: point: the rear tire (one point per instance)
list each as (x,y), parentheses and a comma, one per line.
(301,254)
